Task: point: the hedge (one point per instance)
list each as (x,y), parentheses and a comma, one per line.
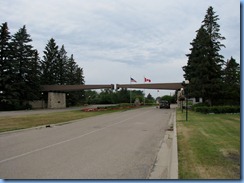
(218,109)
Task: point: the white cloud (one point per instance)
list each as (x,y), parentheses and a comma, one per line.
(113,40)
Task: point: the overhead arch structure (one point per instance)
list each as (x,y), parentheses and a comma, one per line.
(157,86)
(67,88)
(57,93)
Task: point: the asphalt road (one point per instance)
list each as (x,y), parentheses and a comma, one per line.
(121,145)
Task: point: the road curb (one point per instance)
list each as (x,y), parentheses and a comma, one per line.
(166,164)
(174,153)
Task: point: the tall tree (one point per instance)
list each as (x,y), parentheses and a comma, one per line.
(6,71)
(49,63)
(74,76)
(232,81)
(71,70)
(204,67)
(33,78)
(74,72)
(62,66)
(24,60)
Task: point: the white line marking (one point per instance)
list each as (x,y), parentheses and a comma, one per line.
(74,138)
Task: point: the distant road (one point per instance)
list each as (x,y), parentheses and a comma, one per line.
(121,145)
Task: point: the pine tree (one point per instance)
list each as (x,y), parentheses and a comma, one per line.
(33,78)
(49,63)
(71,69)
(204,67)
(74,76)
(79,78)
(62,66)
(74,72)
(232,82)
(23,61)
(212,27)
(197,67)
(6,72)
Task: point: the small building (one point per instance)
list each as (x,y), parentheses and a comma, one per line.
(191,101)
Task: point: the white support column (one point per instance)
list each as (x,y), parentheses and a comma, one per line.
(56,100)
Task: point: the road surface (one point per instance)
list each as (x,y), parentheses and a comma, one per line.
(121,145)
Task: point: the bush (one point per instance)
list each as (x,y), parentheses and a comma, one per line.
(199,105)
(218,109)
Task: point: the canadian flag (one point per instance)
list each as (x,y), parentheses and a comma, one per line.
(147,80)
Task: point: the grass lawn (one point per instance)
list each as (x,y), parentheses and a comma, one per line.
(21,122)
(208,146)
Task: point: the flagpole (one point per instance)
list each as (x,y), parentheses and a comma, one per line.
(130,91)
(144,89)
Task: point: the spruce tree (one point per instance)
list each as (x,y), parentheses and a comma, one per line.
(232,82)
(71,71)
(62,66)
(74,77)
(204,67)
(23,61)
(6,71)
(74,72)
(49,63)
(33,78)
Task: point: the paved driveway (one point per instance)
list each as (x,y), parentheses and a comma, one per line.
(120,145)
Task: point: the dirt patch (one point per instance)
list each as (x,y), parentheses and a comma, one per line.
(215,172)
(186,132)
(231,155)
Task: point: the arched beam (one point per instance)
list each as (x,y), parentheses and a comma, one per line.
(157,86)
(64,88)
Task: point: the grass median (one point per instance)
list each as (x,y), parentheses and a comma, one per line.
(208,145)
(10,123)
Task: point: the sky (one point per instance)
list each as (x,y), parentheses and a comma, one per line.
(113,40)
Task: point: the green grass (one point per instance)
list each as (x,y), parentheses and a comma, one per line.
(21,122)
(208,146)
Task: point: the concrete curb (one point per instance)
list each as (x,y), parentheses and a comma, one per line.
(174,153)
(166,164)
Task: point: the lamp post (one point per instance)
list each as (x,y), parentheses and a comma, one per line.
(181,101)
(185,83)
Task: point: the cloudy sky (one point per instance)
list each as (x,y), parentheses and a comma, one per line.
(115,39)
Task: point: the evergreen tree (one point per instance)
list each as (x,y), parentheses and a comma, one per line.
(212,27)
(23,62)
(149,99)
(74,72)
(49,63)
(75,76)
(232,82)
(62,66)
(79,78)
(71,70)
(6,71)
(33,78)
(204,67)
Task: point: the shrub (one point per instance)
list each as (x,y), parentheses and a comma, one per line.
(199,105)
(218,109)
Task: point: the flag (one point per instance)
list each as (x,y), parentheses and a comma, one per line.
(132,80)
(147,80)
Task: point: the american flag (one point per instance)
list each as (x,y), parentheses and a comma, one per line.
(132,80)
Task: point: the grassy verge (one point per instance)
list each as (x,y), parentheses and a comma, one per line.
(208,146)
(21,122)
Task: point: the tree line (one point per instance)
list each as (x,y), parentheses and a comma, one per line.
(211,77)
(108,96)
(22,72)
